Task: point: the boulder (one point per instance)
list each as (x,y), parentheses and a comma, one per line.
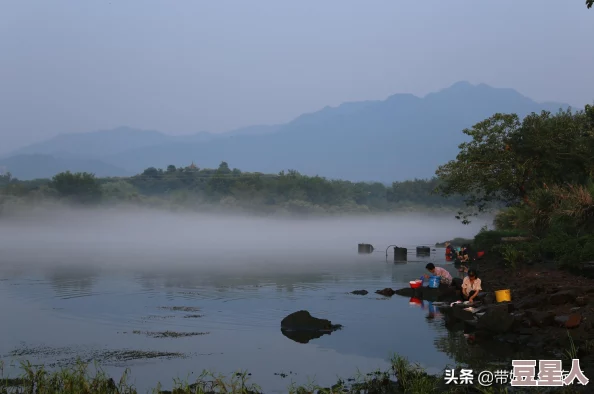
(304,321)
(562,297)
(540,319)
(496,320)
(359,292)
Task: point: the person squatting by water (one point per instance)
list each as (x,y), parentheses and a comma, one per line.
(471,286)
(446,277)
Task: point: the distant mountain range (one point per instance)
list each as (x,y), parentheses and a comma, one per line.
(399,138)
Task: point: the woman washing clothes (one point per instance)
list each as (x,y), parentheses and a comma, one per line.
(445,276)
(471,286)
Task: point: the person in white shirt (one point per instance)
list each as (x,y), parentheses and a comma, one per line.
(471,286)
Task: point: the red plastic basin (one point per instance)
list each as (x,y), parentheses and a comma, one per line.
(414,284)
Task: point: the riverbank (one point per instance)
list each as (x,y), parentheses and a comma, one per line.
(554,308)
(403,377)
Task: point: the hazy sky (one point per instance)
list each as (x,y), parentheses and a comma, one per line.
(189,65)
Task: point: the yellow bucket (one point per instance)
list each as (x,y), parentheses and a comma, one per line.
(503,295)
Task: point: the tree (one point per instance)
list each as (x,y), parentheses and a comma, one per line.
(507,160)
(171,168)
(589,3)
(80,187)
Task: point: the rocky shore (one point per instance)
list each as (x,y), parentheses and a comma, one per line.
(550,312)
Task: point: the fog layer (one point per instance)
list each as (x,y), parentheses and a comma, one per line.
(149,238)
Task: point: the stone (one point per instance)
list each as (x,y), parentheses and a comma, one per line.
(581,301)
(570,321)
(496,319)
(562,297)
(573,320)
(387,292)
(540,319)
(304,321)
(489,298)
(532,302)
(360,292)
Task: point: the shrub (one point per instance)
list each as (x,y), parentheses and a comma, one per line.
(488,240)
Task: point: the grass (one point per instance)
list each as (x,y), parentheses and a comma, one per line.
(403,377)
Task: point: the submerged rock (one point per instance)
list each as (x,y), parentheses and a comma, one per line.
(359,292)
(304,322)
(387,292)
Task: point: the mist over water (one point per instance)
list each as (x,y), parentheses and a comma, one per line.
(142,239)
(82,282)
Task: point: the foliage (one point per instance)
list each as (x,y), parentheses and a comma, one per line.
(507,159)
(231,189)
(517,254)
(456,242)
(489,240)
(79,187)
(403,377)
(589,3)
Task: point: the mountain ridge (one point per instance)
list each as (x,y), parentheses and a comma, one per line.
(401,137)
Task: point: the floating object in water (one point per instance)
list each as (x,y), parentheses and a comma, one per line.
(423,251)
(503,295)
(434,281)
(365,248)
(400,254)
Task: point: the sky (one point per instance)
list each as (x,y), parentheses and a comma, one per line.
(186,66)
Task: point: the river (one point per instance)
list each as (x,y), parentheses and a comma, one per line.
(90,289)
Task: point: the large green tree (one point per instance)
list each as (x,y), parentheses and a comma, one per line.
(507,158)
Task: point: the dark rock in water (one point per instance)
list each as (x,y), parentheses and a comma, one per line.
(304,321)
(562,297)
(387,292)
(459,313)
(360,292)
(405,292)
(496,319)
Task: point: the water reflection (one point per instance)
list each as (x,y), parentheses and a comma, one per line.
(73,280)
(303,336)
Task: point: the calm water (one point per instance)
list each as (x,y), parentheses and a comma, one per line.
(61,298)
